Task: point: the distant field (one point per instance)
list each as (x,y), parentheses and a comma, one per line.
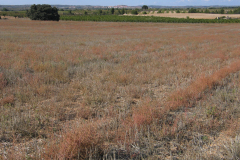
(192,15)
(104,90)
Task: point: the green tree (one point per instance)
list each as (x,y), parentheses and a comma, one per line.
(193,10)
(230,12)
(144,7)
(222,11)
(237,11)
(112,10)
(123,11)
(206,11)
(5,9)
(119,11)
(100,11)
(43,12)
(178,11)
(85,13)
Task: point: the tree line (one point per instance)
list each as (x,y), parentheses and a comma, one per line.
(221,11)
(46,12)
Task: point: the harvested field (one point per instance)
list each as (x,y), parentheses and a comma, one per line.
(98,90)
(192,15)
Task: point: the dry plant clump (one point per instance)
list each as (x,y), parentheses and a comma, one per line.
(8,100)
(87,90)
(3,81)
(77,143)
(183,96)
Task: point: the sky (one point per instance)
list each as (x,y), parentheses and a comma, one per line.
(125,2)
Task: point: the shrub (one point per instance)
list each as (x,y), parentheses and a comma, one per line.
(134,12)
(70,12)
(159,11)
(43,12)
(144,12)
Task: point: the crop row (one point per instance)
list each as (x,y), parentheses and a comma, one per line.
(115,18)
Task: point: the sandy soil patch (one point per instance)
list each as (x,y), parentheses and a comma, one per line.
(12,18)
(7,17)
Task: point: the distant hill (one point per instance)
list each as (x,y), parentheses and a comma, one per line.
(15,7)
(213,6)
(25,7)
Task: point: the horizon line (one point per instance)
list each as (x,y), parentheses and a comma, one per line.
(114,5)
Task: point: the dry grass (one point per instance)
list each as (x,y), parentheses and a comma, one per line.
(86,90)
(191,15)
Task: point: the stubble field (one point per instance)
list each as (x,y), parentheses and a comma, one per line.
(191,15)
(98,90)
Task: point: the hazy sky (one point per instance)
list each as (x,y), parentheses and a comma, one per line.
(123,2)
